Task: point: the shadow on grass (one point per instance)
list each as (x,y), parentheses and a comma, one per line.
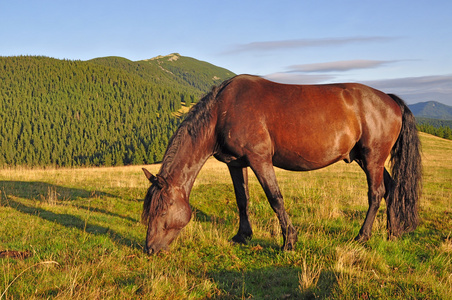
(272,283)
(71,221)
(37,190)
(106,212)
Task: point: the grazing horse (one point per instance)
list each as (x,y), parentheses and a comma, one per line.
(248,121)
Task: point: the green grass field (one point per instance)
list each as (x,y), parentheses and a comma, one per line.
(82,230)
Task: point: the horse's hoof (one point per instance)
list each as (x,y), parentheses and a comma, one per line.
(393,234)
(392,237)
(288,247)
(291,240)
(240,239)
(362,238)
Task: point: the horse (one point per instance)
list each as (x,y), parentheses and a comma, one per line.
(248,121)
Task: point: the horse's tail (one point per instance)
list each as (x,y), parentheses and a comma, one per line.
(406,169)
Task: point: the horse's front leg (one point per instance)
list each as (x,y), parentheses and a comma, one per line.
(267,178)
(240,181)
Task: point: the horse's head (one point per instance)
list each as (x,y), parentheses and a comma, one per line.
(165,212)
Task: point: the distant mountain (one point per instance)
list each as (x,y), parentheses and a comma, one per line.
(431,110)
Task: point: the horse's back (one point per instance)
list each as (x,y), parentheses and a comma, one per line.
(303,126)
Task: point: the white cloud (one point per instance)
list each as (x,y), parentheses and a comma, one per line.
(291,78)
(437,83)
(411,89)
(305,43)
(418,89)
(339,66)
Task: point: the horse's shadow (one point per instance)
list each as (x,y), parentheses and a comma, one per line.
(38,190)
(12,191)
(280,282)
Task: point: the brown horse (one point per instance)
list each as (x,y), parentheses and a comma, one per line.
(248,121)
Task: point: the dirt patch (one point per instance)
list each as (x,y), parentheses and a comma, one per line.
(15,254)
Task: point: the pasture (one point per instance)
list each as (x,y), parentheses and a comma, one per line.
(80,234)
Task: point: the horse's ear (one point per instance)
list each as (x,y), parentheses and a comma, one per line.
(158,180)
(148,175)
(161,182)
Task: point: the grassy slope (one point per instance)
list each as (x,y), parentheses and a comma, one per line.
(82,226)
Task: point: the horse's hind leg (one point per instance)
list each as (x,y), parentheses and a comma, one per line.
(393,230)
(374,173)
(267,178)
(240,180)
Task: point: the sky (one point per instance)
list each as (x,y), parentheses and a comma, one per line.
(402,47)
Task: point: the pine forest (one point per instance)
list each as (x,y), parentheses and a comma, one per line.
(107,111)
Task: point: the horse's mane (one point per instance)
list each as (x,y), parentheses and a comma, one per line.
(194,124)
(153,203)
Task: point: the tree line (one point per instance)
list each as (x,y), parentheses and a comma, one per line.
(438,128)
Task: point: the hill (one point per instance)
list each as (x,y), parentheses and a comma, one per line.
(186,73)
(431,110)
(106,111)
(189,71)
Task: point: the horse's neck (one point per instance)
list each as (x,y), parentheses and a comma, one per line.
(187,161)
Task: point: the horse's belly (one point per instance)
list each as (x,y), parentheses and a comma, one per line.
(294,162)
(311,156)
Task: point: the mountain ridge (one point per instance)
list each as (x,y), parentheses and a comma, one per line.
(431,110)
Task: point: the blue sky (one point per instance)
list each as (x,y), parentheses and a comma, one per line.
(401,47)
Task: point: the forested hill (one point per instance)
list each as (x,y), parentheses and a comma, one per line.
(190,74)
(107,111)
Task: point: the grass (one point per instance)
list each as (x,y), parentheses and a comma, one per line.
(82,227)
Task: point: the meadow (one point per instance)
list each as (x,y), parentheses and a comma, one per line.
(80,235)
